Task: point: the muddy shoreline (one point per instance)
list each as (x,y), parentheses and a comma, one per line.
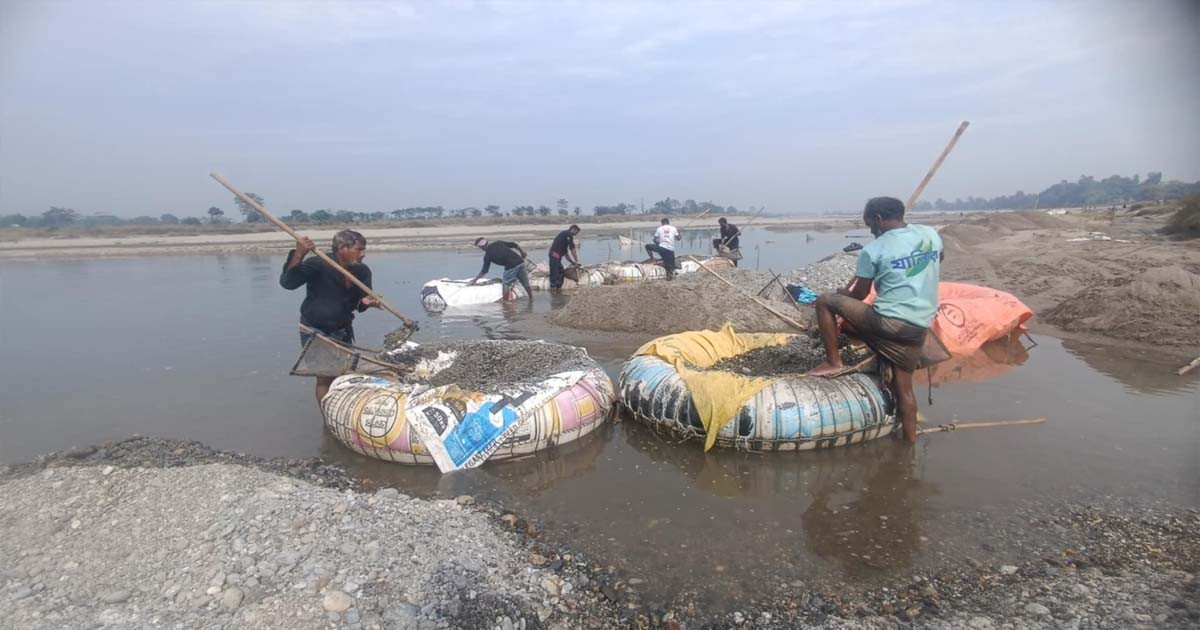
(1111,563)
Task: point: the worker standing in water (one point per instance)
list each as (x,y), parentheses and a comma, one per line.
(562,247)
(728,244)
(509,255)
(664,245)
(903,264)
(331,299)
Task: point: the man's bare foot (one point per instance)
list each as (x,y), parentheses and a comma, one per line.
(826,368)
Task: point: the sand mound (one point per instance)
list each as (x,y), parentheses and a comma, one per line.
(968,234)
(1160,305)
(696,301)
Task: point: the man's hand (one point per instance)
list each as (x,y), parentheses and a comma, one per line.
(473,281)
(304,245)
(371,302)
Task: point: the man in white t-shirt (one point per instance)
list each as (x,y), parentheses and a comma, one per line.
(664,244)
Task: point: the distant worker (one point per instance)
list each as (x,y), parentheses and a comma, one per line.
(727,244)
(664,244)
(903,264)
(509,255)
(331,299)
(563,246)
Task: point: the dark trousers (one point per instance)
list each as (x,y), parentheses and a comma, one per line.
(731,246)
(557,273)
(668,256)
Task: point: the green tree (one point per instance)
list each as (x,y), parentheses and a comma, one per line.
(298,216)
(251,215)
(190,221)
(493,211)
(58,217)
(215,214)
(168,218)
(577,210)
(543,211)
(14,219)
(322,216)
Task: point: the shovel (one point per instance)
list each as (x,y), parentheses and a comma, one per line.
(394,338)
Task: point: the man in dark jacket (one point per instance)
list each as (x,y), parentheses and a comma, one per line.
(562,247)
(728,240)
(509,255)
(331,299)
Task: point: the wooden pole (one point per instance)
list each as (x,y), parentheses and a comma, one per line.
(408,323)
(1189,367)
(933,169)
(955,426)
(757,300)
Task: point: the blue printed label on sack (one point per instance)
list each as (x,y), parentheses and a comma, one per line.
(477,430)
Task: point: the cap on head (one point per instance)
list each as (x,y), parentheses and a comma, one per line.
(480,241)
(886,208)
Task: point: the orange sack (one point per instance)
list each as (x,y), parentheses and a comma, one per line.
(969,316)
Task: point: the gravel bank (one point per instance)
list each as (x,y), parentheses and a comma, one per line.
(129,535)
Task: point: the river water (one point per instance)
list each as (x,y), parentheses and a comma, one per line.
(199,347)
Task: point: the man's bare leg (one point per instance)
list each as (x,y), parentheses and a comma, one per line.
(827,325)
(906,402)
(323,383)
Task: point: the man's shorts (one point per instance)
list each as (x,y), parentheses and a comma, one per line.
(907,346)
(344,335)
(512,276)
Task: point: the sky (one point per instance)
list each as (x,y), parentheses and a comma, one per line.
(126,107)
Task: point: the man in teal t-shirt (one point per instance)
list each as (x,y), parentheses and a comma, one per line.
(903,264)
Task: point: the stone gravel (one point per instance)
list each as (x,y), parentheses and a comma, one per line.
(130,535)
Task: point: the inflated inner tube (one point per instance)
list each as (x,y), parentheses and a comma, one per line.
(562,398)
(788,412)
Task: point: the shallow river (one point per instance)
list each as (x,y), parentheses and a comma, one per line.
(199,348)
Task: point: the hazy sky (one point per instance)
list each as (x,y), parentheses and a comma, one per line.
(126,107)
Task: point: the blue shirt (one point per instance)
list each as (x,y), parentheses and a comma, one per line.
(905,264)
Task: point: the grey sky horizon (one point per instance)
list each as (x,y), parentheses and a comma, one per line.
(125,107)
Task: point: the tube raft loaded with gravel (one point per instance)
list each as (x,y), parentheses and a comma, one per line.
(690,385)
(459,405)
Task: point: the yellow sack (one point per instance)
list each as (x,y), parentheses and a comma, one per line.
(717,395)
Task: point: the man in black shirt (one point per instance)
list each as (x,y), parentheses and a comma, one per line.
(563,245)
(728,239)
(509,255)
(331,299)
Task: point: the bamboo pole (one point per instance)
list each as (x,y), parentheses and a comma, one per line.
(759,301)
(1189,367)
(408,323)
(955,426)
(933,169)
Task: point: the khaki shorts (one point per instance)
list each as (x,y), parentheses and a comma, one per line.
(906,346)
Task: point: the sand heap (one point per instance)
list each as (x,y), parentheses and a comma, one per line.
(1160,305)
(695,301)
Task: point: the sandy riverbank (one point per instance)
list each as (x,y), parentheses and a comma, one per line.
(446,236)
(154,533)
(1089,276)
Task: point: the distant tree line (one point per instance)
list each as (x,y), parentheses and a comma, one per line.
(57,217)
(1087,191)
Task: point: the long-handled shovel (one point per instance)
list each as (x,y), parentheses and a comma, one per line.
(395,338)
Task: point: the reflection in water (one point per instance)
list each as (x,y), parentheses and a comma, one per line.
(1136,370)
(873,520)
(991,360)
